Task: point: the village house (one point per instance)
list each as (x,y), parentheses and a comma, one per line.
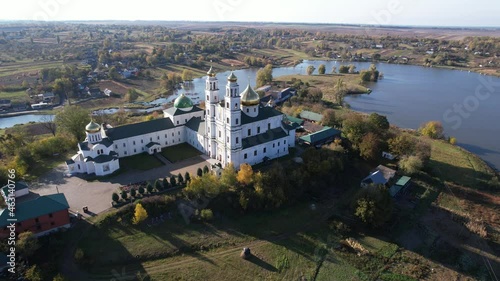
(381,175)
(41,216)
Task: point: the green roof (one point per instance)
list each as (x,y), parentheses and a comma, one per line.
(141,128)
(40,206)
(320,136)
(294,119)
(183,102)
(197,125)
(175,111)
(17,186)
(309,115)
(394,190)
(264,113)
(403,181)
(268,136)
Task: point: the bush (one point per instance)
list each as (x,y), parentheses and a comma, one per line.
(79,256)
(141,189)
(124,195)
(453,140)
(173,181)
(133,192)
(115,197)
(207,215)
(411,164)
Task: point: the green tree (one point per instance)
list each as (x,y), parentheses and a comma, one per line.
(340,91)
(310,69)
(205,169)
(187,177)
(140,214)
(63,87)
(411,164)
(180,178)
(115,197)
(133,192)
(370,147)
(321,69)
(228,176)
(142,190)
(59,277)
(131,95)
(33,273)
(354,128)
(432,129)
(166,184)
(173,181)
(187,75)
(124,195)
(329,118)
(207,215)
(401,145)
(373,205)
(73,119)
(264,75)
(158,186)
(199,172)
(27,244)
(344,69)
(113,73)
(379,121)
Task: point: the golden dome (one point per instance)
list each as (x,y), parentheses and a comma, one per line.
(249,97)
(92,127)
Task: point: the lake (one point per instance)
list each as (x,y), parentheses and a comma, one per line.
(465,102)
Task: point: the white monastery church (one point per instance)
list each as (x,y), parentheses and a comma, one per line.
(235,129)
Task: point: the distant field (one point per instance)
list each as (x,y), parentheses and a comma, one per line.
(15,97)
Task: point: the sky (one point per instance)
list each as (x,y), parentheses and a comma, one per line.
(378,12)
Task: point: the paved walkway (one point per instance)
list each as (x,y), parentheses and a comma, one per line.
(97,195)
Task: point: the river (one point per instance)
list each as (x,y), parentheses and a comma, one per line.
(465,102)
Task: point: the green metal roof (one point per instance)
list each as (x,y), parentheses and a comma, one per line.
(268,136)
(264,113)
(141,128)
(17,186)
(309,115)
(183,101)
(319,136)
(394,190)
(294,119)
(40,206)
(175,111)
(197,125)
(403,181)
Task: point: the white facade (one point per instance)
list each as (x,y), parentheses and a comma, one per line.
(234,130)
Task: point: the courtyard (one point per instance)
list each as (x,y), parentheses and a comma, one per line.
(96,195)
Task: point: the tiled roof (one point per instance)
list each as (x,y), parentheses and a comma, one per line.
(268,136)
(40,206)
(141,128)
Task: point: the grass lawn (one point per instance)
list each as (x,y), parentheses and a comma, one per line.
(15,97)
(179,152)
(453,164)
(326,83)
(141,161)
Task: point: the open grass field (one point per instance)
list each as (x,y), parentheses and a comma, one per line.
(141,162)
(326,83)
(179,152)
(456,165)
(15,97)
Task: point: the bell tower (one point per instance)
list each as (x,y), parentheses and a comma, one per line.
(212,98)
(232,124)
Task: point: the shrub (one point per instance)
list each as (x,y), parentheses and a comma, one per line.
(115,197)
(173,181)
(453,140)
(207,215)
(124,195)
(411,164)
(141,189)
